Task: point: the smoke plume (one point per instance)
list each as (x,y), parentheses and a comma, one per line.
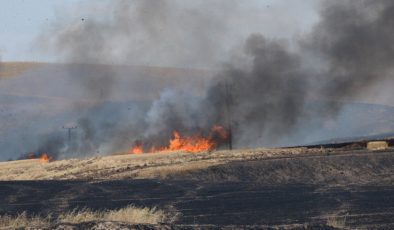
(268,101)
(268,91)
(354,39)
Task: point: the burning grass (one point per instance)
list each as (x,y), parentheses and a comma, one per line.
(191,144)
(43,158)
(130,214)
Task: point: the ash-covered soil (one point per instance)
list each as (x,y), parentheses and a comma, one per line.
(302,190)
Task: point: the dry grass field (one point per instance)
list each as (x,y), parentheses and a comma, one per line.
(129,214)
(138,166)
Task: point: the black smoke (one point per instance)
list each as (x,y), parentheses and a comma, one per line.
(267,102)
(354,39)
(273,92)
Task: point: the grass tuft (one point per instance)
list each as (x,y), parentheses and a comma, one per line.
(129,214)
(23,220)
(337,221)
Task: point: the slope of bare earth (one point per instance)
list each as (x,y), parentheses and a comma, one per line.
(293,188)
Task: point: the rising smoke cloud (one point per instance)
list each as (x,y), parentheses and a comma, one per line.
(354,39)
(271,92)
(272,98)
(167,33)
(269,99)
(171,33)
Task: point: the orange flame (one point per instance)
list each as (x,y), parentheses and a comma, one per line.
(189,144)
(221,131)
(137,149)
(44,158)
(192,144)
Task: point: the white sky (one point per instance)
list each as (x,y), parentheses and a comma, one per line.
(21,21)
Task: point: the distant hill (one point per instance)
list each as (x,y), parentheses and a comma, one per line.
(125,82)
(360,122)
(10,69)
(52,95)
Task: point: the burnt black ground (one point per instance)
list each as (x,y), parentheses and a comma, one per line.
(207,197)
(219,204)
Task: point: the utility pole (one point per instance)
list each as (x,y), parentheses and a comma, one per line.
(69,128)
(228,116)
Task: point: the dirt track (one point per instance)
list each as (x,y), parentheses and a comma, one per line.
(218,204)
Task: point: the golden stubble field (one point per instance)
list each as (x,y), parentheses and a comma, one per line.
(139,166)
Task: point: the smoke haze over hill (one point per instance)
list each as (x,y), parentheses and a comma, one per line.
(271,90)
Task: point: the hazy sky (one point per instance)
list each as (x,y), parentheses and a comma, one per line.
(21,21)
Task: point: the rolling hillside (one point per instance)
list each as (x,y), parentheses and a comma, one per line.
(255,189)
